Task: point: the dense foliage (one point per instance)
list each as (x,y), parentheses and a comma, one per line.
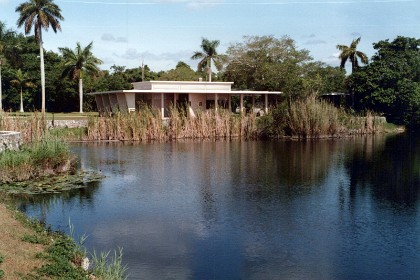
(390,84)
(268,63)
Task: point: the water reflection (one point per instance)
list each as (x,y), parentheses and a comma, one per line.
(331,209)
(390,167)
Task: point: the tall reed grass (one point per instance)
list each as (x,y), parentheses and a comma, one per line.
(32,128)
(306,118)
(105,267)
(315,118)
(147,124)
(35,160)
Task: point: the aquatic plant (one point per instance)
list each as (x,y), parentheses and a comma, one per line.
(105,267)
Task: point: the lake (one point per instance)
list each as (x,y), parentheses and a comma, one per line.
(325,209)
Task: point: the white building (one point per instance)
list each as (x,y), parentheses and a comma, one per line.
(162,94)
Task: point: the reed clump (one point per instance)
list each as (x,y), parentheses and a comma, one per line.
(143,125)
(211,124)
(106,267)
(315,118)
(35,160)
(147,125)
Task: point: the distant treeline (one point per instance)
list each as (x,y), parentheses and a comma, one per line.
(388,84)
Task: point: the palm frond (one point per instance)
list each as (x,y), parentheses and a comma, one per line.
(197,55)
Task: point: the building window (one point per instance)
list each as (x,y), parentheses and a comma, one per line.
(200,104)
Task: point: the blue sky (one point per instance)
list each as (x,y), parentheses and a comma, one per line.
(163,32)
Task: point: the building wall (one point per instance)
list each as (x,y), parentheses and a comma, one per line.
(198,101)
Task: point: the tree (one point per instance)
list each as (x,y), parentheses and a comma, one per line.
(182,72)
(390,84)
(79,62)
(269,63)
(40,14)
(351,52)
(21,80)
(5,35)
(207,55)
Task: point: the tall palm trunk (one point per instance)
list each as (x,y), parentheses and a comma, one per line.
(1,91)
(41,55)
(21,101)
(81,95)
(209,69)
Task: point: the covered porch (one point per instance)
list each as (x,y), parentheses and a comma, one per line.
(193,96)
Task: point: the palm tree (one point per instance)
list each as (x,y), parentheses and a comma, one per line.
(40,14)
(4,35)
(351,52)
(21,80)
(79,62)
(207,55)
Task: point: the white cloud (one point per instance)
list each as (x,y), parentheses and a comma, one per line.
(132,53)
(315,42)
(194,4)
(110,38)
(156,61)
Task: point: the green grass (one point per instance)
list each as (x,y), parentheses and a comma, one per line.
(61,257)
(35,239)
(68,134)
(56,116)
(34,161)
(106,267)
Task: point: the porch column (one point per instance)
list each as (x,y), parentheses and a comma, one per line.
(230,103)
(215,101)
(174,100)
(162,104)
(253,101)
(266,103)
(131,101)
(241,103)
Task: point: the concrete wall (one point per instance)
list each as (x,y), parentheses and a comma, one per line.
(10,140)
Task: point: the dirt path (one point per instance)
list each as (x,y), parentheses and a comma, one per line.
(18,256)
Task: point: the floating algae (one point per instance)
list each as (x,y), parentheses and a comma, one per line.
(52,184)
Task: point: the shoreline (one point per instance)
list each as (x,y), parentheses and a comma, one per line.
(19,257)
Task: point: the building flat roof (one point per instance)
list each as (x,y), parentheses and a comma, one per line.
(232,92)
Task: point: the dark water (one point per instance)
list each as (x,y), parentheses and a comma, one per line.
(331,209)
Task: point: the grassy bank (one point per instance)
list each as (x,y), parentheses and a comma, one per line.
(36,160)
(30,251)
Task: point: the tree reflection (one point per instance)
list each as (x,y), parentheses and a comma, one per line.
(266,169)
(45,202)
(391,169)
